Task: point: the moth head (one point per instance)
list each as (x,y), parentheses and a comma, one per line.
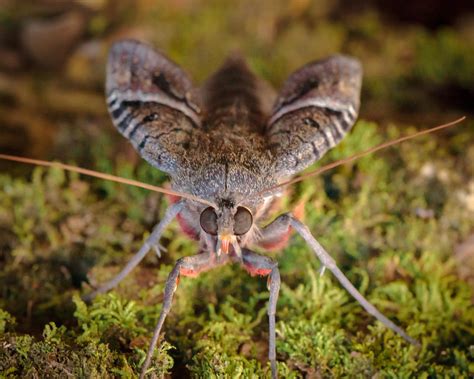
(227,222)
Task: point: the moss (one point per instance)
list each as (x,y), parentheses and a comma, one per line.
(365,215)
(453,68)
(392,220)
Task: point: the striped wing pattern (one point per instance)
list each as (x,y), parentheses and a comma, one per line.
(150,100)
(316,107)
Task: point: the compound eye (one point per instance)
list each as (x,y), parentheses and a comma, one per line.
(243,220)
(208,221)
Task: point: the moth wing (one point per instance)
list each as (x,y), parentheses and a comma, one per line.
(150,100)
(316,107)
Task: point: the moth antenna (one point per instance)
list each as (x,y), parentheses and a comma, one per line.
(101,175)
(359,155)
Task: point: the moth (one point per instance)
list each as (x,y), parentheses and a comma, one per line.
(230,147)
(229,144)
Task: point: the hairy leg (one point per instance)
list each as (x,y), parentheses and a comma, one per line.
(151,242)
(260,265)
(188,266)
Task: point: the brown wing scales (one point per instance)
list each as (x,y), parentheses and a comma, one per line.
(151,102)
(316,107)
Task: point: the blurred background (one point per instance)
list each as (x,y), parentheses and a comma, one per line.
(400,223)
(418,57)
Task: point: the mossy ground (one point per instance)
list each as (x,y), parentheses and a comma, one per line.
(393,221)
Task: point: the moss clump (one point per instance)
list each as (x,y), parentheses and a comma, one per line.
(367,214)
(104,349)
(392,221)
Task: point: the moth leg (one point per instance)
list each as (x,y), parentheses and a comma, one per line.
(158,247)
(260,265)
(330,264)
(151,241)
(276,234)
(190,266)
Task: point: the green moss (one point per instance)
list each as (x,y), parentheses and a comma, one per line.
(392,221)
(454,67)
(365,215)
